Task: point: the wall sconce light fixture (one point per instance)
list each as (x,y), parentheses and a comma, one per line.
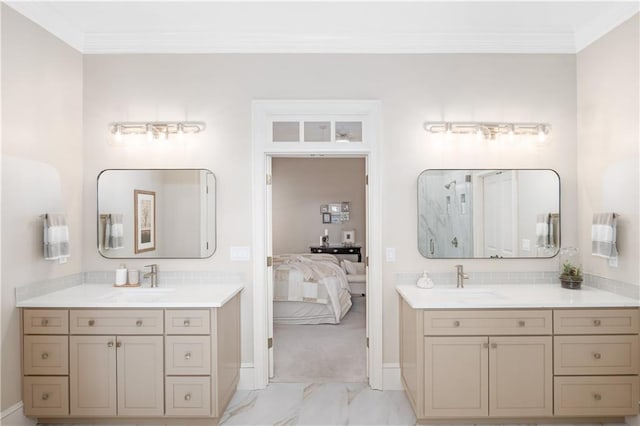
(490,130)
(155,129)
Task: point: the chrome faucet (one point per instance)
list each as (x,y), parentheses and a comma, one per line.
(152,274)
(461,276)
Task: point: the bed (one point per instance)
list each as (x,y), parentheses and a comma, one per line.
(309,289)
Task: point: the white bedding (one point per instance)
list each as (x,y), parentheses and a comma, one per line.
(311,279)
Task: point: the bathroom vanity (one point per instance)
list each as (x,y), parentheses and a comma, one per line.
(519,354)
(95,353)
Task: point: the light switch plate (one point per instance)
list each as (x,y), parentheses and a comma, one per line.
(613,262)
(526,244)
(391,254)
(240,254)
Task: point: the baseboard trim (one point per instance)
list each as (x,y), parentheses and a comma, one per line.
(247,376)
(391,376)
(14,416)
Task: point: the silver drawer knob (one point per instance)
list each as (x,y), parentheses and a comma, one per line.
(110,344)
(597,355)
(456,323)
(44,322)
(597,396)
(139,323)
(485,345)
(597,322)
(187,397)
(187,355)
(187,323)
(92,323)
(44,355)
(521,323)
(494,345)
(118,344)
(45,396)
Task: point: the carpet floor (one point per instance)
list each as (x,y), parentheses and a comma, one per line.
(323,353)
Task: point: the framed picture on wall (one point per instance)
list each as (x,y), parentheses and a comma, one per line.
(326,217)
(144,210)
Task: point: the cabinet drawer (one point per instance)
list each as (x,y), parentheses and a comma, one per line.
(596,396)
(46,321)
(46,396)
(117,321)
(188,396)
(456,323)
(46,355)
(596,321)
(185,321)
(595,355)
(188,355)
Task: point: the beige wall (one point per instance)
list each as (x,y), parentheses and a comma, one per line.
(300,186)
(41,167)
(218,89)
(608,82)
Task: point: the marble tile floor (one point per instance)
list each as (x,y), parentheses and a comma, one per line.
(328,404)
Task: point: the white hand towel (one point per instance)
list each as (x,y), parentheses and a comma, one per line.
(114,232)
(603,235)
(55,236)
(543,234)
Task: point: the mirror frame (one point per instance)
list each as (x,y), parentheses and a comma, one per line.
(215,214)
(492,258)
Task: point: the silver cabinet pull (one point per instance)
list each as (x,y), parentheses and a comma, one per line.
(597,355)
(45,396)
(139,323)
(187,397)
(118,344)
(494,345)
(597,322)
(187,355)
(521,323)
(485,345)
(44,355)
(597,396)
(456,323)
(187,323)
(110,344)
(44,322)
(92,323)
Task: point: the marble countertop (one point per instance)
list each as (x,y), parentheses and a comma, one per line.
(108,296)
(506,296)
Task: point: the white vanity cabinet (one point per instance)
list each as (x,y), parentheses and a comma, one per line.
(151,364)
(512,365)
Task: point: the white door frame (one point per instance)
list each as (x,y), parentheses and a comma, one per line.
(370,113)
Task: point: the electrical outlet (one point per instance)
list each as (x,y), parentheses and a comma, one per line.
(391,254)
(526,244)
(613,262)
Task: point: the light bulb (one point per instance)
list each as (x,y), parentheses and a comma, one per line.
(511,132)
(118,133)
(479,134)
(149,132)
(448,129)
(180,129)
(542,136)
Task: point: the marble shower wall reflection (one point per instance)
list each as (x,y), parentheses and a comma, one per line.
(448,199)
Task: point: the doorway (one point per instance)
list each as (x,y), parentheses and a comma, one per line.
(267,118)
(319,205)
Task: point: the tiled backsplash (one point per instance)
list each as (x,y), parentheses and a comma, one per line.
(540,277)
(48,286)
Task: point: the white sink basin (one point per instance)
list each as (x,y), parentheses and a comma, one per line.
(142,294)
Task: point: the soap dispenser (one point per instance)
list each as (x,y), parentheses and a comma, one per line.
(425,281)
(121,275)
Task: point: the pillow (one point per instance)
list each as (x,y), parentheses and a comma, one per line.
(350,267)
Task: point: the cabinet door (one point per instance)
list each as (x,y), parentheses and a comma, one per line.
(140,376)
(456,374)
(520,376)
(92,375)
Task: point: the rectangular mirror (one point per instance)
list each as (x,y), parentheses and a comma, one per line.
(156,213)
(506,213)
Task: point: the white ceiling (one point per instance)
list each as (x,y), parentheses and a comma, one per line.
(327,26)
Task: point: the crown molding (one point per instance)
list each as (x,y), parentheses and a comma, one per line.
(45,15)
(604,23)
(408,43)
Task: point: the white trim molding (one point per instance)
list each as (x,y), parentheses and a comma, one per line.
(391,376)
(263,113)
(14,416)
(247,376)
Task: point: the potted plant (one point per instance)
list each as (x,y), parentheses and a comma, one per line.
(571,276)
